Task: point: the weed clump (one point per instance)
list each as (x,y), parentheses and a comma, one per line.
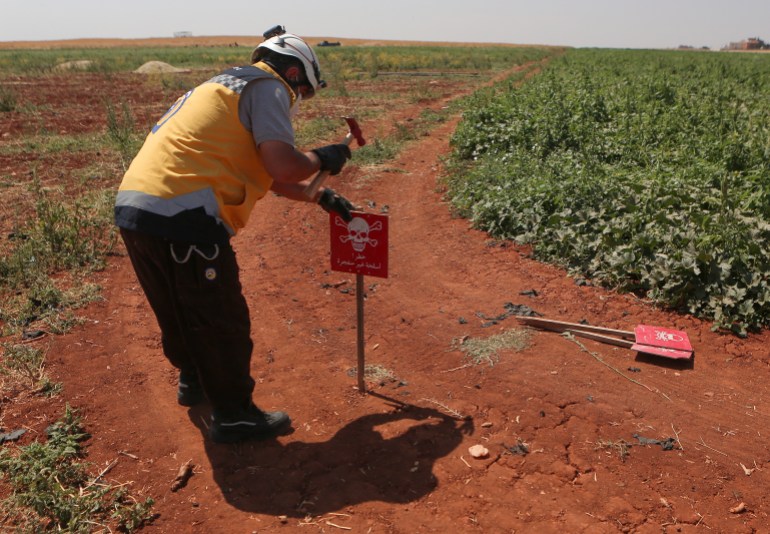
(52,490)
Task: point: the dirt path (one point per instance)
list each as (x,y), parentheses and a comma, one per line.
(397,460)
(359,462)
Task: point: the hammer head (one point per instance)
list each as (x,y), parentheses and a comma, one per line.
(355,130)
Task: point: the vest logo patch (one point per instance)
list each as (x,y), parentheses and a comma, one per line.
(210,274)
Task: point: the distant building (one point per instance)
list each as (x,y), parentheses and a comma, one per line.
(327,43)
(182,34)
(752,43)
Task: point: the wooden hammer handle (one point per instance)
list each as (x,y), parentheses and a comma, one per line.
(561,326)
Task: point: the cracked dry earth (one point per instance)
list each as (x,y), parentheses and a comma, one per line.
(557,417)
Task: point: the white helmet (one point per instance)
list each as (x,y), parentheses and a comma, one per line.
(290,45)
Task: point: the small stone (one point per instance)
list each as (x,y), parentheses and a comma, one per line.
(478,451)
(486,425)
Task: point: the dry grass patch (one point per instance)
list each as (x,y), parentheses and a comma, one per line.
(487,350)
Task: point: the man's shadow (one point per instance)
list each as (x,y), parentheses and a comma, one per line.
(358,464)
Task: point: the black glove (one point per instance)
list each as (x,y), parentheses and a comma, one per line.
(333,157)
(333,202)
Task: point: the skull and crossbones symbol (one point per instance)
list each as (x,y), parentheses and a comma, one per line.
(358,233)
(667,336)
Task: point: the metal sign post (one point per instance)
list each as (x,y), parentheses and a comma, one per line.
(361,358)
(361,247)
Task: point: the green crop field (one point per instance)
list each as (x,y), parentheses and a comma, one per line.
(352,61)
(648,171)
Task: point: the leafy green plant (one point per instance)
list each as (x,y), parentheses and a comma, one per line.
(646,171)
(51,487)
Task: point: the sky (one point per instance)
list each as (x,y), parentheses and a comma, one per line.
(578,23)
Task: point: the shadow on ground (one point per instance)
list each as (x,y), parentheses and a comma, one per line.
(386,457)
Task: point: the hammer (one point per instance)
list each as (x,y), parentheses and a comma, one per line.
(320,177)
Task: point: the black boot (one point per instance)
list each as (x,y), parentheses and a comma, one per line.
(190,391)
(245,424)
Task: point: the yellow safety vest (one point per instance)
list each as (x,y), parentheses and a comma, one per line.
(199,173)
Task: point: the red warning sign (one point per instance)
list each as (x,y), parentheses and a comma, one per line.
(361,245)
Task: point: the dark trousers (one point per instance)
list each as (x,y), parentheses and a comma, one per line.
(195,293)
